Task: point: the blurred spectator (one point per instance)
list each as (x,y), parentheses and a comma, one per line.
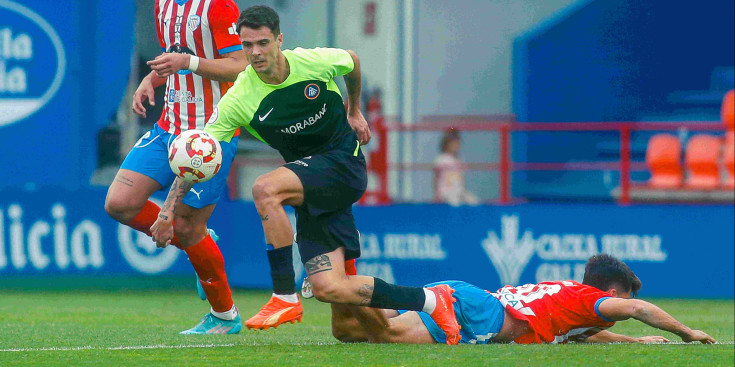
(449,173)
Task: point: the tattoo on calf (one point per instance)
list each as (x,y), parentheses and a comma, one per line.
(318,264)
(264,218)
(366,293)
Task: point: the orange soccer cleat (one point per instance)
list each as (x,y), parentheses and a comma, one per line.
(444,315)
(274,313)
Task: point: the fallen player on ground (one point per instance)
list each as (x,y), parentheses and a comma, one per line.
(548,312)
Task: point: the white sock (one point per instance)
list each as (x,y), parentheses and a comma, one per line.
(430,303)
(290,298)
(227,315)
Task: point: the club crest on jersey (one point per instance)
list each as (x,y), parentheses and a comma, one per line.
(194,21)
(311,91)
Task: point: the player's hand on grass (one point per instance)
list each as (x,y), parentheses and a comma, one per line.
(358,123)
(166,64)
(653,339)
(162,230)
(144,91)
(698,336)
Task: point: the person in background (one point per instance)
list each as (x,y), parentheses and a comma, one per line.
(449,185)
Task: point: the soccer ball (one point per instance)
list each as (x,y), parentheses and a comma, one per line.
(195,156)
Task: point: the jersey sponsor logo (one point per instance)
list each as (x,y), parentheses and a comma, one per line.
(311,91)
(193,23)
(29,45)
(563,255)
(261,118)
(185,96)
(232,29)
(293,129)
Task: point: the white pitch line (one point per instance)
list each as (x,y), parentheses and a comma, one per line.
(184,346)
(132,347)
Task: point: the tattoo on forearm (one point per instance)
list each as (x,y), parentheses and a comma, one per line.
(164,217)
(318,264)
(182,190)
(264,218)
(176,193)
(366,293)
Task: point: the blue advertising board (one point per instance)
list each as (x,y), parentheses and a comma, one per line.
(677,251)
(63,71)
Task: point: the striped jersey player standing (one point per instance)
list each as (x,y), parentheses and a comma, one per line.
(201,58)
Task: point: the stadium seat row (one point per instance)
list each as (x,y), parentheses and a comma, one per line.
(709,159)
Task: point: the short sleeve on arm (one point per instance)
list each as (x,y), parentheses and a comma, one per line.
(597,309)
(223,122)
(223,16)
(332,61)
(591,298)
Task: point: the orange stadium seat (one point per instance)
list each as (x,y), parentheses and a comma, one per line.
(728,110)
(702,162)
(663,157)
(728,160)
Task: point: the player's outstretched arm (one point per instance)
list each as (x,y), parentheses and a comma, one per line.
(224,69)
(353,82)
(618,309)
(146,91)
(162,230)
(604,336)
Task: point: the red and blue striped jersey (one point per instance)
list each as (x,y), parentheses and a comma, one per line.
(205,28)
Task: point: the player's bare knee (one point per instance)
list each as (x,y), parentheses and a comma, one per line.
(327,292)
(187,231)
(120,209)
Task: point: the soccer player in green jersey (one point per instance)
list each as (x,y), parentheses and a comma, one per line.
(289,100)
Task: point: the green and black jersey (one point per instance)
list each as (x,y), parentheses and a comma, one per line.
(302,116)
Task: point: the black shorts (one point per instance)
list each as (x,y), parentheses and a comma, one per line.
(332,182)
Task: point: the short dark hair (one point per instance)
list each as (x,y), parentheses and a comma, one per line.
(260,16)
(604,272)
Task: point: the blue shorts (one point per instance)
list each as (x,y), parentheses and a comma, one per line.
(149,156)
(478,313)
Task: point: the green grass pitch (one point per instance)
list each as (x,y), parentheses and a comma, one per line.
(139,326)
